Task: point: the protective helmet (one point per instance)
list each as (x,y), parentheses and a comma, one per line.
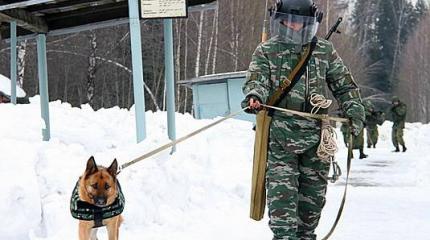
(295,21)
(296,7)
(395,99)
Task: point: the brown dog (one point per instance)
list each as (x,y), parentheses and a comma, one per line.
(98,201)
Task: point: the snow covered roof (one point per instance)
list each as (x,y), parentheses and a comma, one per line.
(5,87)
(213,78)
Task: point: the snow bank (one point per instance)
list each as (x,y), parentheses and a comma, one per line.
(5,87)
(199,192)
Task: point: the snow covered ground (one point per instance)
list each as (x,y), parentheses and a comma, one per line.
(5,87)
(201,191)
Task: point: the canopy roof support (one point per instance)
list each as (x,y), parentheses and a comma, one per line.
(137,65)
(43,85)
(169,79)
(13,61)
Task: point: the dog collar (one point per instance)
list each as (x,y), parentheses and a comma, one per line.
(88,212)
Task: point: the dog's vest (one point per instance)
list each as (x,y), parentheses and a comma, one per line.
(85,211)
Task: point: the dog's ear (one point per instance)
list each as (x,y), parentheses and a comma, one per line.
(113,168)
(91,166)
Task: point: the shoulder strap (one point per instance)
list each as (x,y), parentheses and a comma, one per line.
(295,75)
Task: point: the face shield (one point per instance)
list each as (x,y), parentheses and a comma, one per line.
(295,29)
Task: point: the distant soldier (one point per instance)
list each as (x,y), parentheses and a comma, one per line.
(357,141)
(373,119)
(344,128)
(398,114)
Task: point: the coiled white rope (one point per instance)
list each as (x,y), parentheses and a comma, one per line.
(319,101)
(328,147)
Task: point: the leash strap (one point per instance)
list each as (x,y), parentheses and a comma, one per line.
(179,140)
(304,114)
(342,204)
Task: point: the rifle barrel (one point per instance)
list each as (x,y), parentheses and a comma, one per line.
(333,29)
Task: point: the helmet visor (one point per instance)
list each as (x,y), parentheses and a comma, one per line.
(295,29)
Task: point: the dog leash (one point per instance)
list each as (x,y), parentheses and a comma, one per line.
(311,115)
(316,116)
(179,140)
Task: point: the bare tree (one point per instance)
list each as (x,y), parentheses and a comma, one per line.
(199,44)
(92,67)
(414,74)
(22,48)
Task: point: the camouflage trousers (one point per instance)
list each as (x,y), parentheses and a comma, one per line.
(357,141)
(372,135)
(295,191)
(397,137)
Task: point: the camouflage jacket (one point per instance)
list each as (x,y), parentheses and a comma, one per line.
(272,62)
(398,113)
(374,118)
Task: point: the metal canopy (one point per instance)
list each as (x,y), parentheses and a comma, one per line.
(213,78)
(54,17)
(43,16)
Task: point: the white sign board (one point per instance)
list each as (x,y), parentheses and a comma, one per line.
(163,8)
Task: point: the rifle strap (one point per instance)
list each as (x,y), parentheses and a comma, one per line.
(294,77)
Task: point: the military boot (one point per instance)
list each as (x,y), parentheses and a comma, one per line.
(397,149)
(404,148)
(362,155)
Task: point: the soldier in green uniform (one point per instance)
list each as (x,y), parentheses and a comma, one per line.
(295,176)
(398,114)
(357,141)
(373,119)
(344,128)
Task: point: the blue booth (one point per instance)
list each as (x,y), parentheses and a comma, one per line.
(218,95)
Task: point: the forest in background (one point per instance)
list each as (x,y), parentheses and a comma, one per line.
(386,45)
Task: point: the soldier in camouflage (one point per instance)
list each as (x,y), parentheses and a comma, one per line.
(357,140)
(344,128)
(295,176)
(398,114)
(373,119)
